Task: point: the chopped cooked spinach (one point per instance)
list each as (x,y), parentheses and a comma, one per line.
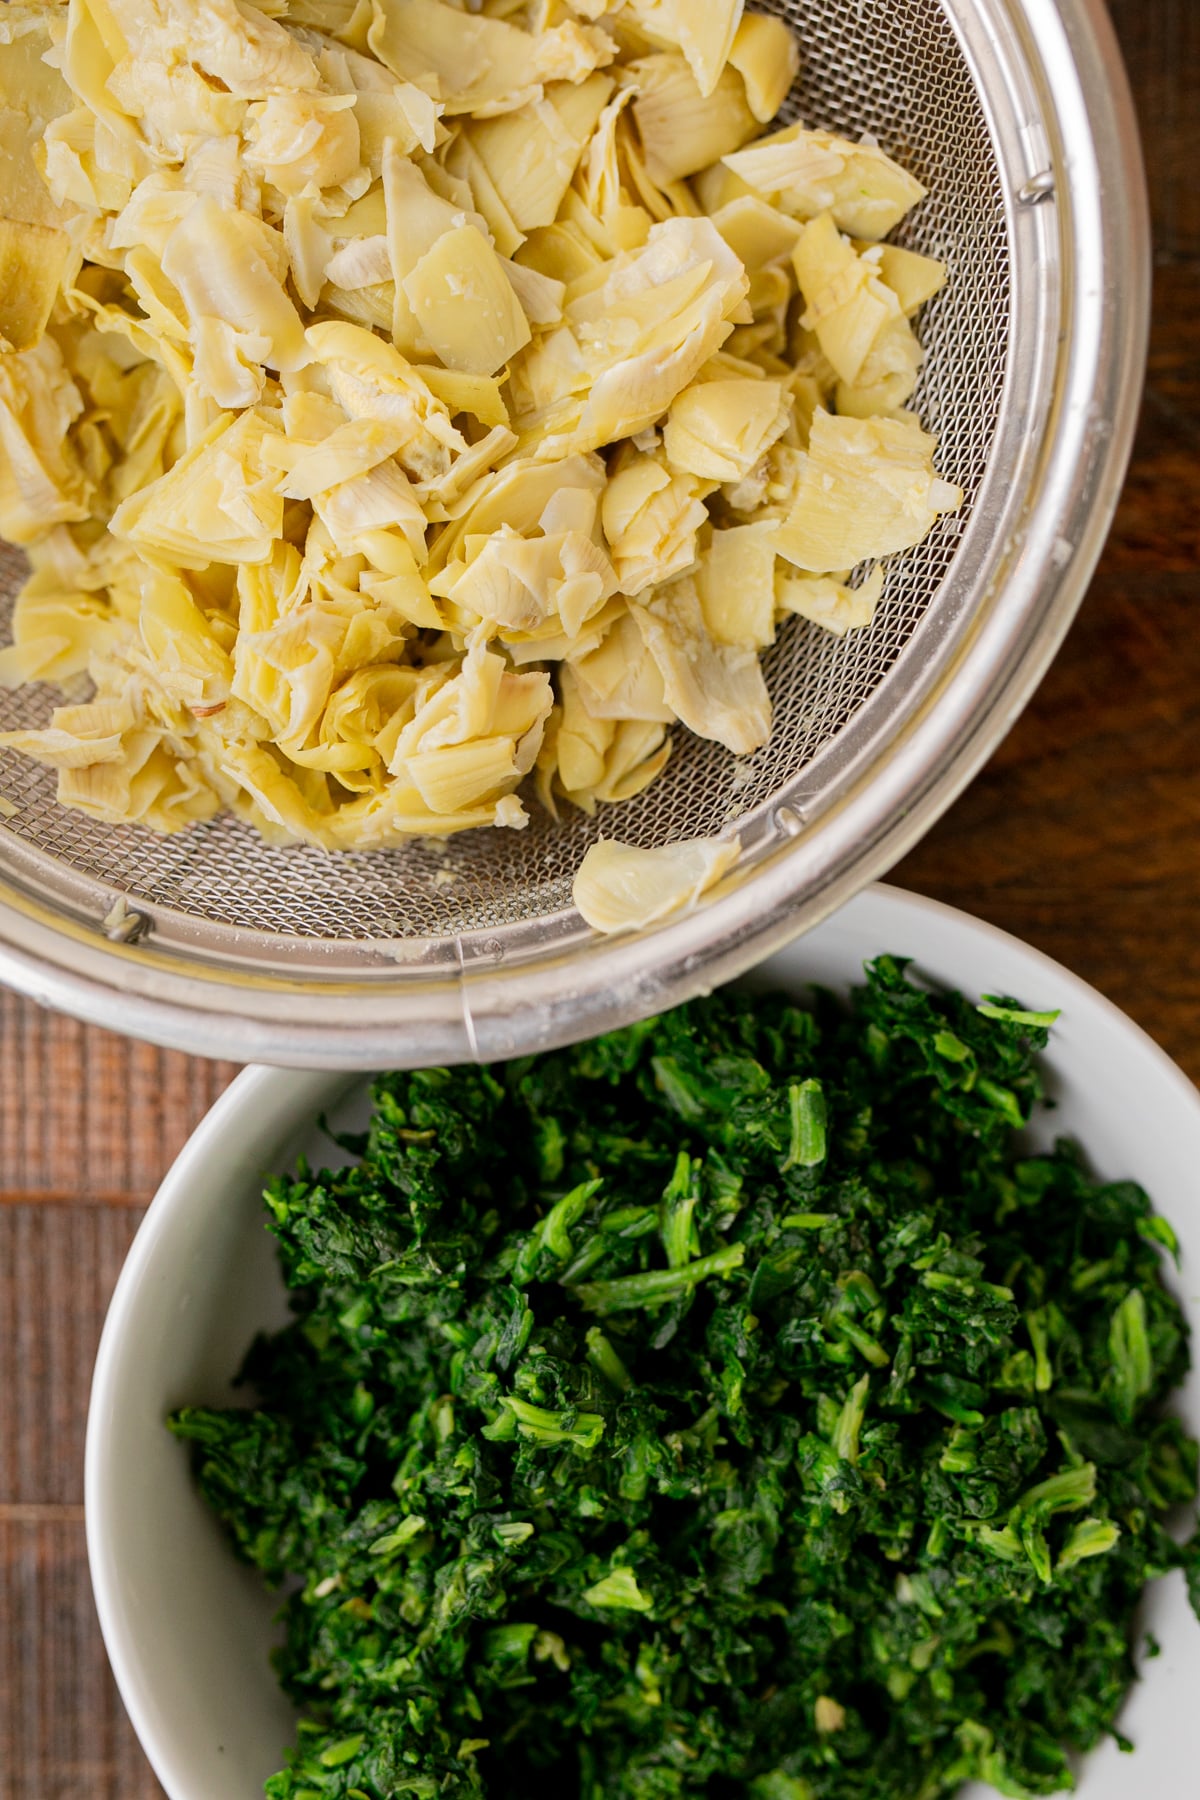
(723,1407)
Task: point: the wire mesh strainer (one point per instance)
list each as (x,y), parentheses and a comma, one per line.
(1015,115)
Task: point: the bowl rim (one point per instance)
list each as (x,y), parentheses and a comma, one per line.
(258,1090)
(1077,208)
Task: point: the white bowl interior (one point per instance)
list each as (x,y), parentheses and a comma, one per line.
(188,1629)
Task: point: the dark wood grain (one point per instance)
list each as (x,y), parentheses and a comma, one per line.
(1083,836)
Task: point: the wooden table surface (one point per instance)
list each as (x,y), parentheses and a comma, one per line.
(1083,836)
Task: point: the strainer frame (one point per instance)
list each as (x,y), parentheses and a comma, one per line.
(1062,125)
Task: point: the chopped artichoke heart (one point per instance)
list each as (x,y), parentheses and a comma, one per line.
(683,130)
(619,887)
(651,518)
(42,483)
(465,304)
(532,154)
(705,34)
(649,327)
(811,172)
(315,318)
(476,64)
(829,603)
(33,94)
(767,57)
(758,234)
(717,690)
(33,264)
(227,265)
(619,679)
(848,306)
(218,503)
(721,429)
(868,488)
(736,585)
(913,278)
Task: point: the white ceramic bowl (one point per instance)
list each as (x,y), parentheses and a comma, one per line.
(188,1629)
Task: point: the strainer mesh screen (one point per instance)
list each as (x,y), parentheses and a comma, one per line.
(891,67)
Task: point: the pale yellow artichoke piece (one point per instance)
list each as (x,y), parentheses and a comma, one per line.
(371,380)
(581,743)
(619,887)
(517,496)
(461,776)
(596,760)
(681,129)
(811,172)
(638,754)
(375,500)
(227,265)
(717,690)
(868,488)
(357,712)
(77,736)
(758,234)
(32,95)
(460,704)
(479,395)
(227,364)
(217,504)
(309,246)
(373,308)
(849,307)
(290,667)
(559,251)
(298,141)
(705,33)
(463,161)
(651,517)
(541,297)
(517,584)
(449,495)
(416,219)
(234,55)
(736,585)
(186,660)
(148,784)
(476,64)
(647,329)
(767,57)
(54,635)
(718,187)
(41,481)
(719,430)
(154,208)
(351,448)
(416,216)
(883,398)
(255,785)
(346,20)
(359,263)
(913,278)
(239,48)
(381,821)
(33,262)
(828,603)
(404,592)
(619,679)
(531,155)
(400,114)
(465,305)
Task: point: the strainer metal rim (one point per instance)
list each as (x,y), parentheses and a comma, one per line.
(1067,144)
